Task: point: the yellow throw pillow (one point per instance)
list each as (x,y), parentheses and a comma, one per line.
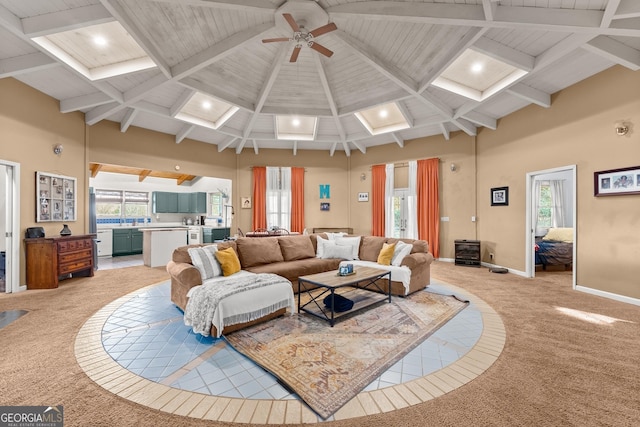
(386,254)
(229,261)
(560,235)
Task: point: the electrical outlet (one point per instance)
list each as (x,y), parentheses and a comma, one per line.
(491,256)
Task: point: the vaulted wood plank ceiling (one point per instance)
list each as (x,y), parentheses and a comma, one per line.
(199,69)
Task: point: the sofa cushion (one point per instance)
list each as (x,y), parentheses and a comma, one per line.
(296,247)
(204,259)
(386,254)
(291,270)
(370,247)
(181,254)
(229,262)
(254,251)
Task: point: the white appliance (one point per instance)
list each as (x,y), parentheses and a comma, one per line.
(104,240)
(194,235)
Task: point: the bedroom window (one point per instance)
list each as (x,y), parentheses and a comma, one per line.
(545,206)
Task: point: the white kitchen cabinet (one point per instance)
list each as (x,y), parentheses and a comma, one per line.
(105,242)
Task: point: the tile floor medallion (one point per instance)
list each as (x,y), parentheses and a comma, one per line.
(139,348)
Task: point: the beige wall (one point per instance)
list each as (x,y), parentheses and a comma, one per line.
(30,126)
(577,129)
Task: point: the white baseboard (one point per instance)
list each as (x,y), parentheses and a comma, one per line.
(610,295)
(486,264)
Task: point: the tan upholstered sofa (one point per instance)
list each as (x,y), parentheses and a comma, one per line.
(294,256)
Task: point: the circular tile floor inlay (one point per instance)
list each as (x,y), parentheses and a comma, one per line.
(138,348)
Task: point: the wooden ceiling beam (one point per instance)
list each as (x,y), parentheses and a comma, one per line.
(145,173)
(95,168)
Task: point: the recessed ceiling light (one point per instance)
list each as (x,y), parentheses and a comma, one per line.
(384,113)
(477,67)
(100,41)
(295,122)
(206,105)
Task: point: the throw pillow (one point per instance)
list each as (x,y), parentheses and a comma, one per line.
(228,261)
(204,260)
(559,235)
(331,250)
(353,242)
(402,250)
(320,243)
(386,253)
(334,236)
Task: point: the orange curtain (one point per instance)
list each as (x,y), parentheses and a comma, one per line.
(428,204)
(259,197)
(378,177)
(297,199)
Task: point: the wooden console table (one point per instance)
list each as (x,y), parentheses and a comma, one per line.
(51,258)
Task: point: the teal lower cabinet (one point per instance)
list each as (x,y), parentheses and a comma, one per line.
(127,241)
(136,241)
(210,235)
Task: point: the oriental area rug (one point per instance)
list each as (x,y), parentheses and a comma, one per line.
(326,367)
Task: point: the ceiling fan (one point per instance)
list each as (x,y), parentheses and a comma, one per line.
(304,37)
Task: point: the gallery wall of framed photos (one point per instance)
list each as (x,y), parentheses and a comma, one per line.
(55,197)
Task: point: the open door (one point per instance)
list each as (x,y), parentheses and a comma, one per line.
(10,224)
(565,173)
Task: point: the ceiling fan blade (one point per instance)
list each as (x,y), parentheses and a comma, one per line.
(278,39)
(323,50)
(294,55)
(292,22)
(323,30)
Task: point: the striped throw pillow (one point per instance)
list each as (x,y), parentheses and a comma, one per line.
(204,259)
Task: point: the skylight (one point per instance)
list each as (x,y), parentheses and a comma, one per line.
(97,51)
(477,76)
(296,128)
(383,119)
(204,110)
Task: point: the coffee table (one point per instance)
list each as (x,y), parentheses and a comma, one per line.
(361,287)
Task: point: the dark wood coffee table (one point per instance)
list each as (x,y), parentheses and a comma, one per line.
(361,287)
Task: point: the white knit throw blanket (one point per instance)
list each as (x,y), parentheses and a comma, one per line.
(204,300)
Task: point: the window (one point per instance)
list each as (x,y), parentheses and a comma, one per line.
(545,206)
(279,198)
(119,203)
(215,200)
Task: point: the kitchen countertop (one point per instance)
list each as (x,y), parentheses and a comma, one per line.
(152,229)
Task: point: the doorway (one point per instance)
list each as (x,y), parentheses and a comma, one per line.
(400,212)
(566,174)
(9,226)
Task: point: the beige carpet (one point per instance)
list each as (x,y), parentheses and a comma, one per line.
(555,370)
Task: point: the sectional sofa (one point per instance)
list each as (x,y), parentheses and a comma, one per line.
(297,255)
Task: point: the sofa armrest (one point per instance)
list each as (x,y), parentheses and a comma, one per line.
(416,259)
(185,273)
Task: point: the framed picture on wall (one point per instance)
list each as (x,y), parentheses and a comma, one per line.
(55,197)
(246,202)
(617,182)
(324,206)
(500,196)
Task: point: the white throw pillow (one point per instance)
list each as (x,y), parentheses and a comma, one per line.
(402,250)
(204,259)
(334,236)
(331,250)
(320,244)
(353,242)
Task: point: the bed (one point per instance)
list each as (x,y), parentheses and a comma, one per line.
(555,248)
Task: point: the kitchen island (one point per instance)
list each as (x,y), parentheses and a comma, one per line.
(158,244)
